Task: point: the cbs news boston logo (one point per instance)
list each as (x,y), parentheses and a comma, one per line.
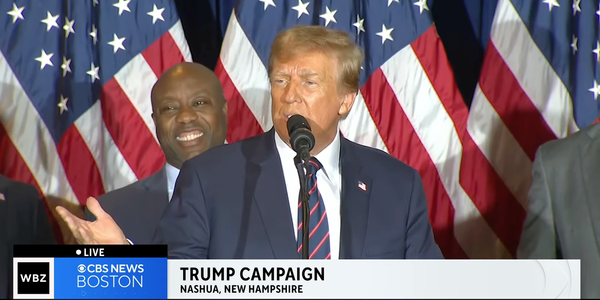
(68,272)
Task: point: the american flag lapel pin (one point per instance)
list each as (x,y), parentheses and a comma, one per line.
(2,197)
(362,186)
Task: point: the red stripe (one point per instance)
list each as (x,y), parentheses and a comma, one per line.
(80,167)
(318,225)
(490,195)
(241,122)
(518,113)
(403,143)
(13,166)
(319,246)
(163,54)
(130,133)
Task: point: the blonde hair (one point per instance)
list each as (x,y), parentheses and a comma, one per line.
(297,40)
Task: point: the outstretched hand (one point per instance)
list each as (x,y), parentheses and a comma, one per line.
(103,231)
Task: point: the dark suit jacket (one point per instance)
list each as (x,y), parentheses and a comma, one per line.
(231,202)
(23,220)
(137,208)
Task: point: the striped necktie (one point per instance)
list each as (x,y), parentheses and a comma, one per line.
(318,239)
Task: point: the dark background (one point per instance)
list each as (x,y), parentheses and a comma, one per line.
(463,25)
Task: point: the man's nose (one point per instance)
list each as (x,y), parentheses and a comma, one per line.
(186,115)
(292,93)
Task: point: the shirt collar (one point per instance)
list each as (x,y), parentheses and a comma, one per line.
(172,174)
(329,157)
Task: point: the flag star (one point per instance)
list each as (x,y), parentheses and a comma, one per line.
(595,90)
(16,13)
(392,1)
(156,14)
(576,6)
(50,21)
(122,5)
(329,16)
(597,51)
(574,44)
(117,43)
(359,25)
(422,4)
(45,59)
(301,8)
(551,4)
(385,34)
(69,27)
(66,66)
(93,72)
(597,12)
(63,104)
(94,34)
(95,2)
(267,3)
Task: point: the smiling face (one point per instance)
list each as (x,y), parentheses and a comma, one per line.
(308,85)
(189,111)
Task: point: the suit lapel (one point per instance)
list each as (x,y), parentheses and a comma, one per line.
(157,195)
(590,164)
(271,197)
(354,210)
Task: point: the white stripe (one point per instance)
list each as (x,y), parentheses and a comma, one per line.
(31,137)
(359,126)
(437,133)
(247,72)
(500,147)
(113,167)
(178,36)
(536,76)
(138,88)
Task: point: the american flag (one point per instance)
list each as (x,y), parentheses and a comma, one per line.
(539,82)
(408,105)
(75,80)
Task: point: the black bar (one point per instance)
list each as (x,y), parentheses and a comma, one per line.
(90,250)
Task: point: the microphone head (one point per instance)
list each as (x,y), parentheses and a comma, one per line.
(301,137)
(296,122)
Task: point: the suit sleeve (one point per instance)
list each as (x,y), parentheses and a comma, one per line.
(538,240)
(42,229)
(420,242)
(184,226)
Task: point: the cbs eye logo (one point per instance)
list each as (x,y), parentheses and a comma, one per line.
(81,268)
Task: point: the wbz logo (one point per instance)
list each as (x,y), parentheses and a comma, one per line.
(33,278)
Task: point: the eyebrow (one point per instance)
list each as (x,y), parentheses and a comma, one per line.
(303,73)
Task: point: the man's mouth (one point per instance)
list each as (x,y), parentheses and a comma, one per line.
(189,136)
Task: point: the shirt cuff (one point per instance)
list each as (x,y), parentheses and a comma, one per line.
(129,241)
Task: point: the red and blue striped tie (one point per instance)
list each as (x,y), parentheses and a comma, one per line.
(318,238)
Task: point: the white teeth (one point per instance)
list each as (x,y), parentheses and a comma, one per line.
(190,137)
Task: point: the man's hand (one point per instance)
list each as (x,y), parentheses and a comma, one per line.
(103,231)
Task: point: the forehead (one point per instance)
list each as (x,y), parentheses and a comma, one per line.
(184,85)
(305,63)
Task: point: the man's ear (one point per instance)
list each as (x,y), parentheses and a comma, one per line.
(347,103)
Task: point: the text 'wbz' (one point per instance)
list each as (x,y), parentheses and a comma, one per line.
(106,277)
(248,274)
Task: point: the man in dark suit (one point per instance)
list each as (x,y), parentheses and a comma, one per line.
(190,114)
(241,200)
(23,220)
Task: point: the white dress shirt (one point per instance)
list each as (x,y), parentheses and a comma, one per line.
(328,183)
(172,174)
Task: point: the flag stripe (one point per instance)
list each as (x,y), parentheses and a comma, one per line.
(128,131)
(537,78)
(358,125)
(80,167)
(156,55)
(113,168)
(405,144)
(514,107)
(501,149)
(247,73)
(178,36)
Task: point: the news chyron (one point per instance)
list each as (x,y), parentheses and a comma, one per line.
(90,272)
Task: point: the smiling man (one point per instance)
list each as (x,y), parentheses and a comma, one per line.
(190,114)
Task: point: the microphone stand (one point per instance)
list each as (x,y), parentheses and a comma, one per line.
(302,165)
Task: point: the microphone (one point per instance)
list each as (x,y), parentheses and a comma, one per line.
(302,141)
(301,137)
